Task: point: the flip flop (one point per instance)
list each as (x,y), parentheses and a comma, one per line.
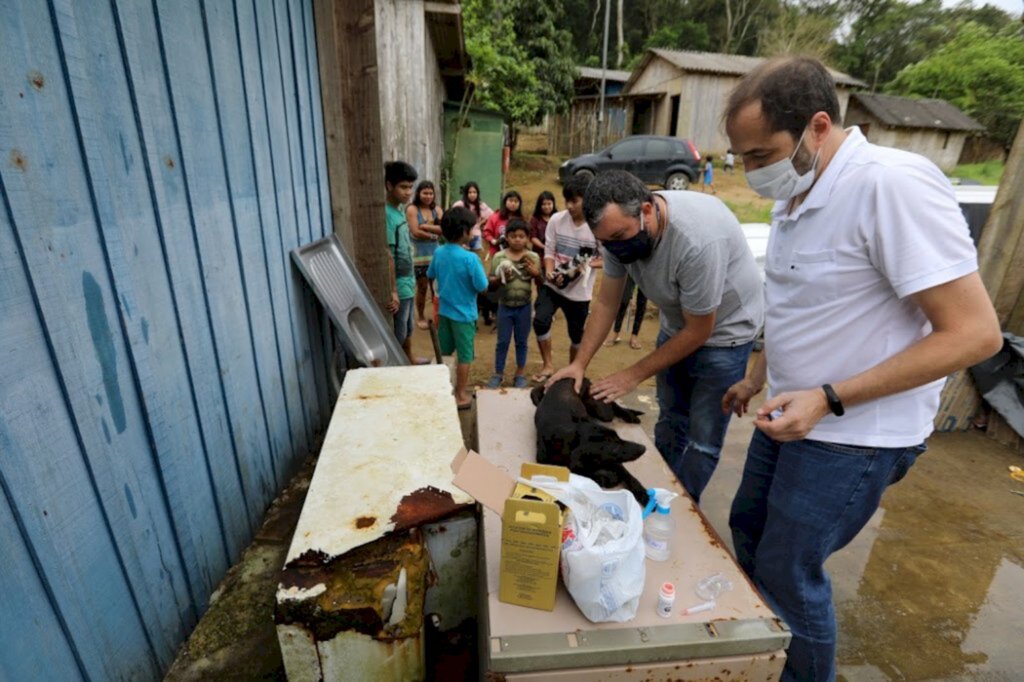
(422,324)
(541,378)
(613,342)
(635,345)
(464,407)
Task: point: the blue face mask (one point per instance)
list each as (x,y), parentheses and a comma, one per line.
(637,247)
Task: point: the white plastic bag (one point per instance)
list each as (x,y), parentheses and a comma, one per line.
(602,547)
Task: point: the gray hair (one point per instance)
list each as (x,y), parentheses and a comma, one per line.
(618,187)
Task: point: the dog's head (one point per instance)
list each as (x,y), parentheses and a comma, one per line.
(599,446)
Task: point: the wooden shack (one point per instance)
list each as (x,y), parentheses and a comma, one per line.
(930,127)
(684,93)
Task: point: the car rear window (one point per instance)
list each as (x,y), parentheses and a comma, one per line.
(661,148)
(628,149)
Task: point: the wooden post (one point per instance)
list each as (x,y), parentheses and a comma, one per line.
(347,52)
(1001,251)
(1001,265)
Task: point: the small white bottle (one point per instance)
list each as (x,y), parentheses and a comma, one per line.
(666,599)
(659,527)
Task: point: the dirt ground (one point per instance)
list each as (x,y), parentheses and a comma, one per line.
(531,174)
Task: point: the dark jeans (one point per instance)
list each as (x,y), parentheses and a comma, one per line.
(691,425)
(512,321)
(798,502)
(548,301)
(641,307)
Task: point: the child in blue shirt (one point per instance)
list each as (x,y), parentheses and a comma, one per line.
(460,277)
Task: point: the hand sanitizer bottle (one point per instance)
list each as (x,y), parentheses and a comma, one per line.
(659,527)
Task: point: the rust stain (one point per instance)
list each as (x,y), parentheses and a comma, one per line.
(423,505)
(712,534)
(365,521)
(169,162)
(18,160)
(36,79)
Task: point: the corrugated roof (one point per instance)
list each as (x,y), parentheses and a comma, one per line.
(733,64)
(904,112)
(591,72)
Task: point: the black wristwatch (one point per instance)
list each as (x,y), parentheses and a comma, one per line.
(834,403)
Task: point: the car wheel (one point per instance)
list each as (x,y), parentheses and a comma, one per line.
(677,181)
(584,172)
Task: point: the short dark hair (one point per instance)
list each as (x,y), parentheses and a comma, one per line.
(517,225)
(617,187)
(398,171)
(791,90)
(576,186)
(456,222)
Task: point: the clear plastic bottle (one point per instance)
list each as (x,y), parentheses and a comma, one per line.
(659,527)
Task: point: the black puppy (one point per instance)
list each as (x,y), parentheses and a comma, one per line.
(569,436)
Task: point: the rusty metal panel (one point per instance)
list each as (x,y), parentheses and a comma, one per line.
(734,668)
(350,603)
(385,462)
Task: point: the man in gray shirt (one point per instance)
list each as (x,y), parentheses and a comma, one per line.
(687,253)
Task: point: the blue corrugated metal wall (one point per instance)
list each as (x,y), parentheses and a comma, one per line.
(162,365)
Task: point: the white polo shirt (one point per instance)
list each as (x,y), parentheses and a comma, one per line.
(879,225)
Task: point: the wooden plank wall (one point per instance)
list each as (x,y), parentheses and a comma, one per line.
(163,367)
(411,89)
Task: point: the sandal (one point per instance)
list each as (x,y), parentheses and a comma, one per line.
(613,342)
(464,406)
(422,324)
(542,378)
(635,344)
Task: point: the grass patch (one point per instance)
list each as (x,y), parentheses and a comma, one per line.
(750,211)
(987,173)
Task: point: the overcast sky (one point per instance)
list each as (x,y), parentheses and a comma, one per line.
(1014,7)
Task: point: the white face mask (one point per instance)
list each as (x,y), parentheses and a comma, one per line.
(780,181)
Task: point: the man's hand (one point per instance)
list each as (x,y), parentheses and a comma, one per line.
(615,386)
(573,371)
(737,398)
(393,304)
(801,410)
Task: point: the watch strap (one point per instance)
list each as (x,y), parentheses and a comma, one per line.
(834,403)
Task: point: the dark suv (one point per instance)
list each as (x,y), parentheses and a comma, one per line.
(668,161)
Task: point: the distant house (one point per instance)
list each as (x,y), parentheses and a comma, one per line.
(931,127)
(576,132)
(683,93)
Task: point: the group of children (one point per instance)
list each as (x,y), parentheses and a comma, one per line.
(478,262)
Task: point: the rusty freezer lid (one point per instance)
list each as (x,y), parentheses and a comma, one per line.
(385,464)
(524,639)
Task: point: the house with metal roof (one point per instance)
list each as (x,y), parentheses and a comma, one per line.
(684,93)
(930,127)
(581,130)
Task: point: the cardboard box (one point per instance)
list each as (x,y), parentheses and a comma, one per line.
(531,526)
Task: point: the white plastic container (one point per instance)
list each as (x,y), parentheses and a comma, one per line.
(666,600)
(659,527)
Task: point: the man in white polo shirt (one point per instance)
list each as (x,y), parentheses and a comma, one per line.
(872,299)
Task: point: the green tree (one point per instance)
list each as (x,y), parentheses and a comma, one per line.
(503,77)
(539,28)
(980,71)
(523,61)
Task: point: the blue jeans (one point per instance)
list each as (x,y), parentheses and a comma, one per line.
(691,425)
(517,321)
(797,503)
(403,319)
